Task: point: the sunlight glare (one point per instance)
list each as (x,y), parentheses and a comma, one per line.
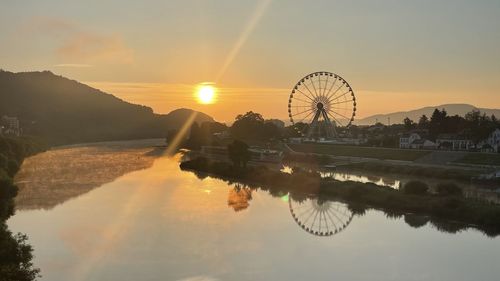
(206,94)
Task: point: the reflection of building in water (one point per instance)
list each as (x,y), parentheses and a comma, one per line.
(10,126)
(239,197)
(481,194)
(321,218)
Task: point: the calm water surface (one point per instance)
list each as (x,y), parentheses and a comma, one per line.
(152,221)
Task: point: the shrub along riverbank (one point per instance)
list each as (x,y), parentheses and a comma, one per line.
(301,184)
(15,252)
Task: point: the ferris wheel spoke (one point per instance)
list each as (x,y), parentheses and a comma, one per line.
(335,214)
(337,121)
(330,97)
(306,116)
(331,87)
(338,97)
(341,115)
(314,219)
(307,211)
(314,87)
(310,109)
(312,99)
(309,90)
(326,84)
(312,213)
(339,210)
(341,102)
(331,219)
(309,102)
(326,223)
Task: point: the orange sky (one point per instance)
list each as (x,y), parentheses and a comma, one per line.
(397,55)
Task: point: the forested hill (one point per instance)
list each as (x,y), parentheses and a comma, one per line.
(65,111)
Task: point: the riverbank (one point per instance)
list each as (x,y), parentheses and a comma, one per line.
(359,196)
(15,253)
(384,160)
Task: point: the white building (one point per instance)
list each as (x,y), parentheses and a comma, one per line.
(454,142)
(406,140)
(423,144)
(492,143)
(10,126)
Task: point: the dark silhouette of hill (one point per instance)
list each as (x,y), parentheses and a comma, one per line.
(63,111)
(451,109)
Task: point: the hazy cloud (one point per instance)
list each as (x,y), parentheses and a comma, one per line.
(82,46)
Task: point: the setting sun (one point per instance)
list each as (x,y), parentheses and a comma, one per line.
(206,94)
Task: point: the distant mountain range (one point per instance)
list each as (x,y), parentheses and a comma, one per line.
(451,109)
(64,111)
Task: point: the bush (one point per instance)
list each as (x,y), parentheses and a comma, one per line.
(448,189)
(415,188)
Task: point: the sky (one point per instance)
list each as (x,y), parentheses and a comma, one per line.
(396,54)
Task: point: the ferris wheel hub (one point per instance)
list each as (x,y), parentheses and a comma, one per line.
(319,105)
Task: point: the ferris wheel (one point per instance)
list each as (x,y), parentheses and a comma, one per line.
(320,218)
(323,101)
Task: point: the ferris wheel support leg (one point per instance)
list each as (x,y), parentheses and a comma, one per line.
(331,132)
(314,124)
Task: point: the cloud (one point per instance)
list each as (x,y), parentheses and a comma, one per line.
(82,46)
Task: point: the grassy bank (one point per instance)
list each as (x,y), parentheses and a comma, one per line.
(359,151)
(15,252)
(358,195)
(444,172)
(480,159)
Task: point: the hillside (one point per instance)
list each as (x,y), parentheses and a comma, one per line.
(65,111)
(452,109)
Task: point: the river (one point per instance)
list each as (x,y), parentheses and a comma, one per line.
(125,211)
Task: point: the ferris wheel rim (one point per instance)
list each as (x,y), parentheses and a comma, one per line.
(348,114)
(310,228)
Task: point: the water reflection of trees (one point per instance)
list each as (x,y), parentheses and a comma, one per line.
(53,177)
(239,197)
(316,191)
(15,252)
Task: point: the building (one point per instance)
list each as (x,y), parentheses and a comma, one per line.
(454,142)
(10,126)
(407,139)
(423,144)
(492,143)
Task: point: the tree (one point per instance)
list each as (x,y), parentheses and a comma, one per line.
(238,153)
(251,125)
(423,122)
(409,124)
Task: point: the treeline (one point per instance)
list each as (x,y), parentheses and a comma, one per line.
(474,125)
(15,253)
(250,126)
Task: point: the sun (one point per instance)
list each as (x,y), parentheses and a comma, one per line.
(206,94)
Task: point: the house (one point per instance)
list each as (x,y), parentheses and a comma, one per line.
(423,144)
(454,142)
(491,143)
(406,139)
(10,126)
